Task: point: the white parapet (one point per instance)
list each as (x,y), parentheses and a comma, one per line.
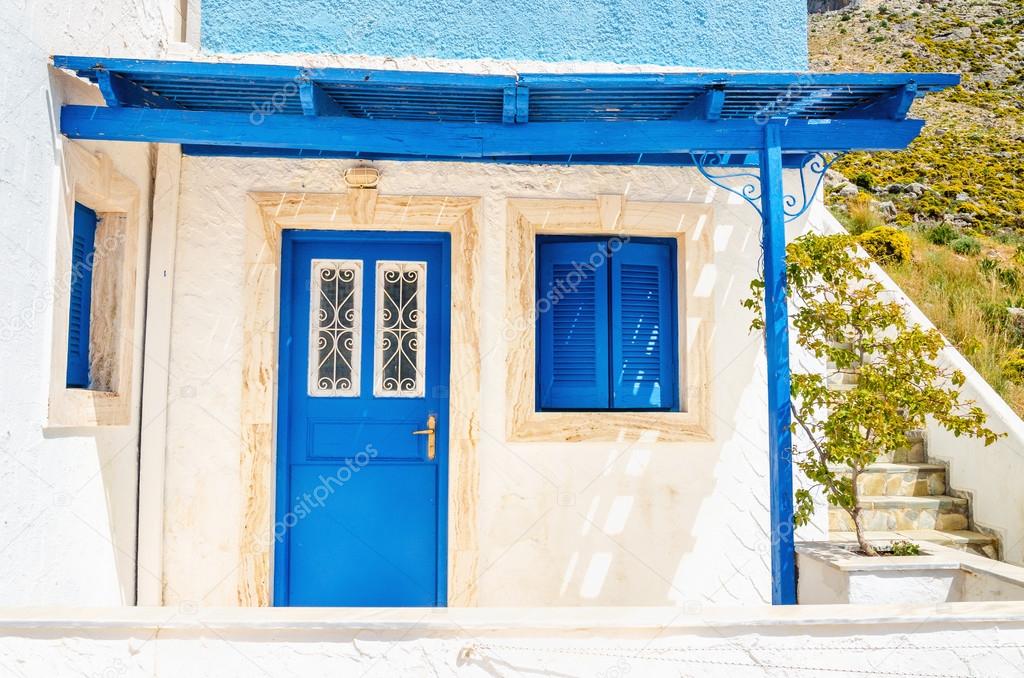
(949,639)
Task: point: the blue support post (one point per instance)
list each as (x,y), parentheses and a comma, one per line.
(780,440)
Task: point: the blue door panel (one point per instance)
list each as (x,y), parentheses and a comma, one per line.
(339,439)
(358,558)
(361,509)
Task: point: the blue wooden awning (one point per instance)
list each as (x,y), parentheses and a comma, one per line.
(628,118)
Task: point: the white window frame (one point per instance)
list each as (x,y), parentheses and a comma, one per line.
(420,328)
(355,358)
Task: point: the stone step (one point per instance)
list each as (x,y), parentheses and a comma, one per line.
(900,480)
(964,540)
(904,513)
(916,452)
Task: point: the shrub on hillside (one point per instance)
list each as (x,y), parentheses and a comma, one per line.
(864,180)
(988,266)
(1013,366)
(943,234)
(966,245)
(997,316)
(864,216)
(1009,277)
(886,245)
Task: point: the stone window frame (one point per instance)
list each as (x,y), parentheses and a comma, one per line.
(691,224)
(91,180)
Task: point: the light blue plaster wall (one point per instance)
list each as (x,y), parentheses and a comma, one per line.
(709,34)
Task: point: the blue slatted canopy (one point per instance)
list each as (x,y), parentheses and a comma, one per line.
(628,118)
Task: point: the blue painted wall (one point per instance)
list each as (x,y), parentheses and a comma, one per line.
(709,34)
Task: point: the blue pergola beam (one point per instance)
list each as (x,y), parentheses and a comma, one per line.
(707,106)
(183,71)
(508,105)
(473,140)
(118,91)
(789,160)
(316,102)
(896,106)
(195,69)
(925,81)
(522,104)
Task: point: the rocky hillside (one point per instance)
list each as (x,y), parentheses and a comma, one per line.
(972,152)
(958,191)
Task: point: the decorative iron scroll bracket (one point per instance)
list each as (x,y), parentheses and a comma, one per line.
(747,184)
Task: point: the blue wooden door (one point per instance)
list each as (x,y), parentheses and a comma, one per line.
(364,360)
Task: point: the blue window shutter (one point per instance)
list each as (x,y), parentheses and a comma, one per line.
(83,245)
(572,304)
(643,282)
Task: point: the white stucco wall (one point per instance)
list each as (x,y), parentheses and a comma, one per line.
(559,524)
(67,497)
(958,639)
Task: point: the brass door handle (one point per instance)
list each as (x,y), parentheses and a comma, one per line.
(429,431)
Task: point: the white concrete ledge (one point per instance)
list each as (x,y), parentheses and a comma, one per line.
(445,620)
(831,572)
(843,559)
(957,639)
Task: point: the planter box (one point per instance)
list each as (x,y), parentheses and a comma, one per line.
(830,573)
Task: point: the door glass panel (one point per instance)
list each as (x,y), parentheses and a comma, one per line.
(401,321)
(335,327)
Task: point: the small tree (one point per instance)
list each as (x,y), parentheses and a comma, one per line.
(840,316)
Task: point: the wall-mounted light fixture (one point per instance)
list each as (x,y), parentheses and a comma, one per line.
(362,177)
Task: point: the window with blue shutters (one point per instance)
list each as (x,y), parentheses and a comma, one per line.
(83,247)
(607,325)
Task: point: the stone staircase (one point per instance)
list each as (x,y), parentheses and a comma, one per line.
(903,496)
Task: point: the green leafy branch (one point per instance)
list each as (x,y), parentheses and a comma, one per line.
(841,316)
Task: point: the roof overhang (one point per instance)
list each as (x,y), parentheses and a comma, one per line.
(623,118)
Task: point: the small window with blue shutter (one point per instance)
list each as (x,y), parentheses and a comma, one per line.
(83,246)
(607,327)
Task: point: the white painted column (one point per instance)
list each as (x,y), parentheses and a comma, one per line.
(153,440)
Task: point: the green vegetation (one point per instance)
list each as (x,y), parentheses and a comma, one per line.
(965,212)
(970,300)
(1013,366)
(942,234)
(842,319)
(887,245)
(904,548)
(965,244)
